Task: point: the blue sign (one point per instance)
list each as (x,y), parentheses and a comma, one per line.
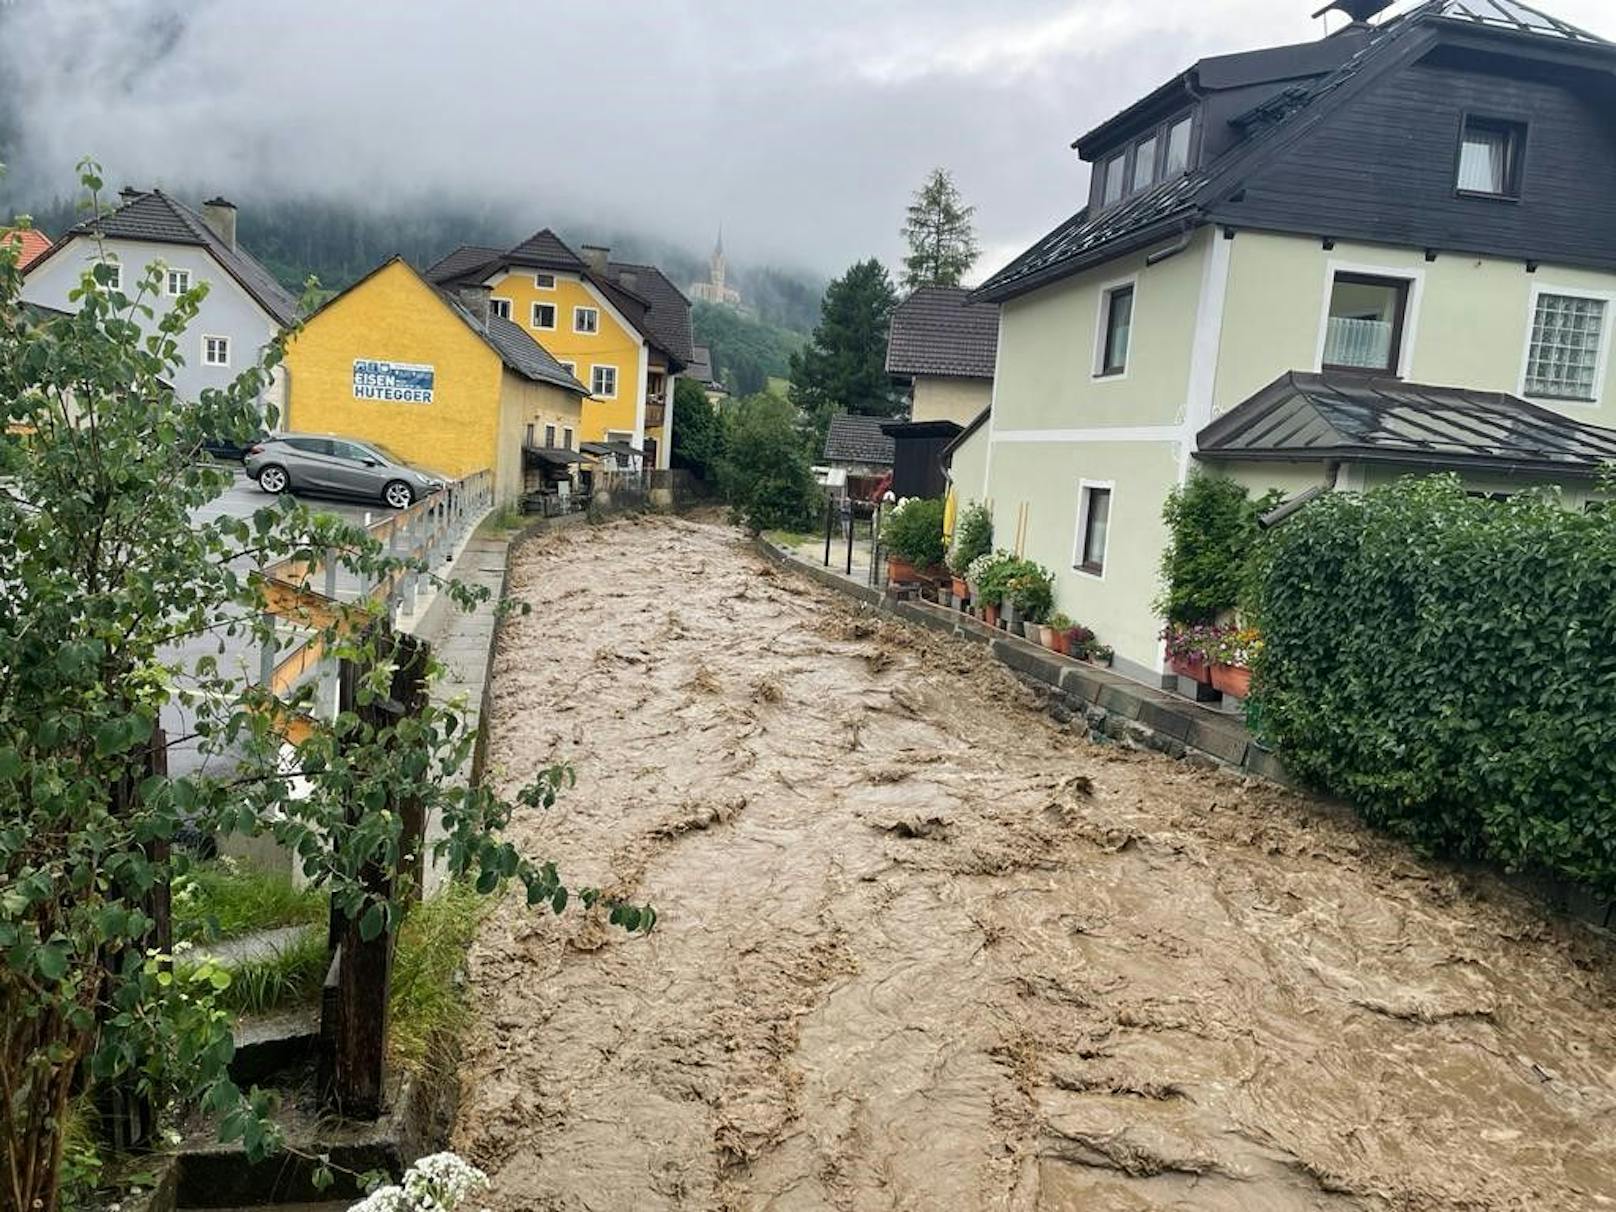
(399,381)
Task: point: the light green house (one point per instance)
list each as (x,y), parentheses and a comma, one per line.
(1314,266)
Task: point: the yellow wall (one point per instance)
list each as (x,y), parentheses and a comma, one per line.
(479,409)
(613,345)
(949,399)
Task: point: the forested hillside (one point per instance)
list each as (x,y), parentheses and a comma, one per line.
(747,351)
(339,242)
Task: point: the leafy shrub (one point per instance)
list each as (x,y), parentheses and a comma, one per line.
(973,537)
(913,531)
(1031,589)
(1449,664)
(990,573)
(765,473)
(1212,530)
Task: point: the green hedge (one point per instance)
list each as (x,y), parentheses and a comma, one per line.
(913,531)
(1449,664)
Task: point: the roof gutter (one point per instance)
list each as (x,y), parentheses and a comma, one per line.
(1108,251)
(1172,250)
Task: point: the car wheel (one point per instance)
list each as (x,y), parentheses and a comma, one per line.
(273,479)
(398,494)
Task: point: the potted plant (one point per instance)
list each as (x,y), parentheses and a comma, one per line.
(913,537)
(973,538)
(1030,589)
(1234,656)
(1102,654)
(1189,650)
(1079,640)
(989,573)
(1059,625)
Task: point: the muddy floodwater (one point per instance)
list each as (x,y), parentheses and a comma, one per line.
(920,948)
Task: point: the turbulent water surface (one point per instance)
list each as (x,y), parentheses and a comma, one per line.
(921,949)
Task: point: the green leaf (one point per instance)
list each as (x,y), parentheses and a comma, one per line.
(51,960)
(558,903)
(373,922)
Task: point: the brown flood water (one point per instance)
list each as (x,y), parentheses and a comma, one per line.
(921,949)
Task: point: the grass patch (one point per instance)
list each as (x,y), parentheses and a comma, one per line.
(226,898)
(793,538)
(429,1006)
(500,522)
(289,975)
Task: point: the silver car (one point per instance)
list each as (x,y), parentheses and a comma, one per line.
(319,464)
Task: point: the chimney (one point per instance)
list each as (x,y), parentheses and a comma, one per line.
(475,299)
(596,257)
(1358,11)
(129,193)
(221,217)
(628,280)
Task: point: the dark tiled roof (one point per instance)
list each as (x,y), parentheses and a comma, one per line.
(1328,417)
(700,366)
(546,250)
(857,439)
(939,330)
(462,261)
(527,357)
(157,218)
(1192,199)
(669,311)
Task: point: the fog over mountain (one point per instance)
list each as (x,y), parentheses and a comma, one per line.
(803,128)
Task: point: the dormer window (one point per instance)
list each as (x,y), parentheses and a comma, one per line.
(1490,155)
(1144,164)
(1112,175)
(1178,148)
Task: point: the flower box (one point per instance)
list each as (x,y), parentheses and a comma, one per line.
(901,572)
(1197,669)
(1232,679)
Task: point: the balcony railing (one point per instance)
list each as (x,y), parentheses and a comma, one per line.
(655,414)
(1364,343)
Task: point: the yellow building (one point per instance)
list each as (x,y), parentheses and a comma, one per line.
(437,378)
(623,329)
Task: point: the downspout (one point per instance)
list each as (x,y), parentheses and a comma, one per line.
(1172,250)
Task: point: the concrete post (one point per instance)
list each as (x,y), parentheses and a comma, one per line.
(266,655)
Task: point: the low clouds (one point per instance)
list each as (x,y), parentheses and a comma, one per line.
(802,128)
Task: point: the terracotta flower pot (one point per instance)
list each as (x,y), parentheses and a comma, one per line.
(1062,644)
(961,589)
(900,571)
(1232,679)
(991,615)
(1195,669)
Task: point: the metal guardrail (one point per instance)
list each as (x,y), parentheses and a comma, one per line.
(303,595)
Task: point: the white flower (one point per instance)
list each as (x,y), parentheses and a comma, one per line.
(439,1183)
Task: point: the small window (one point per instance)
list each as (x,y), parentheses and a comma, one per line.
(571,368)
(1144,163)
(179,281)
(544,315)
(1365,327)
(500,308)
(1490,158)
(604,382)
(1178,148)
(1118,331)
(549,437)
(566,437)
(544,281)
(529,442)
(1111,176)
(1568,333)
(585,319)
(216,351)
(114,274)
(1093,529)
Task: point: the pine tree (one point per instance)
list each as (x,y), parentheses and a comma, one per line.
(844,367)
(942,240)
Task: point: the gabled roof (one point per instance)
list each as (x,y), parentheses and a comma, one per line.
(964,435)
(854,438)
(940,330)
(519,352)
(700,366)
(155,217)
(1354,418)
(668,311)
(32,244)
(643,293)
(1199,196)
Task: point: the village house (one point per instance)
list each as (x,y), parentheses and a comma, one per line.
(439,378)
(623,329)
(1318,266)
(245,307)
(941,346)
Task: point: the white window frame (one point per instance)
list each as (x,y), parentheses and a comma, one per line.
(1083,489)
(1601,366)
(533,317)
(595,369)
(543,280)
(578,312)
(1103,312)
(1411,322)
(570,367)
(207,361)
(495,302)
(169,279)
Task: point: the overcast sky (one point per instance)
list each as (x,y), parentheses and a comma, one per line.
(802,127)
